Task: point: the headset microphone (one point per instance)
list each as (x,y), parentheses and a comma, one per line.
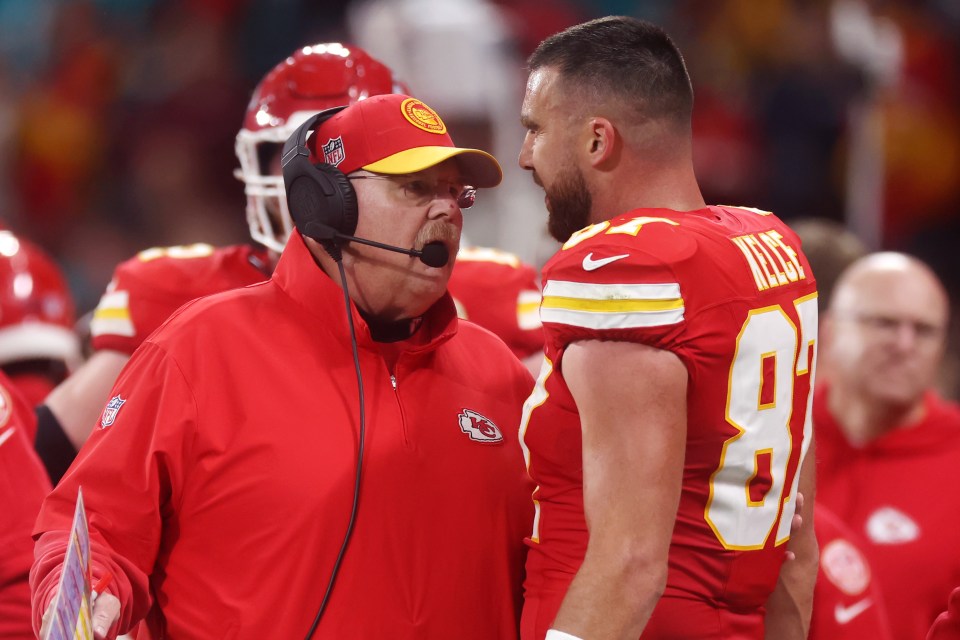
(433,254)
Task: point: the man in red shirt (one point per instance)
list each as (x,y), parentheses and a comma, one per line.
(331,449)
(888,445)
(668,430)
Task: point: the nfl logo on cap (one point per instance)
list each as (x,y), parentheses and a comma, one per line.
(333,151)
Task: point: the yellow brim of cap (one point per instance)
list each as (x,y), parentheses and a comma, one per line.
(479,168)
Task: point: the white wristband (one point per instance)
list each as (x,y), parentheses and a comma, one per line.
(553,634)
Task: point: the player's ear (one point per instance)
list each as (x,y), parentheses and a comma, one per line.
(602,141)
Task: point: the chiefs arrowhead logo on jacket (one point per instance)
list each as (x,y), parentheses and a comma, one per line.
(479,428)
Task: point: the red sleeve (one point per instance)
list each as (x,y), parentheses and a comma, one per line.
(148,288)
(23,485)
(947,624)
(499,292)
(615,286)
(150,421)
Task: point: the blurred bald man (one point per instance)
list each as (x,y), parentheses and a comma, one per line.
(888,446)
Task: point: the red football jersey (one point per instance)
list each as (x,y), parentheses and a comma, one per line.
(847,603)
(729,292)
(499,292)
(898,492)
(23,484)
(147,288)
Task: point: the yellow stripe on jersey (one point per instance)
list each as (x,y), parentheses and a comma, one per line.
(112,315)
(611,306)
(528,310)
(577,304)
(186,251)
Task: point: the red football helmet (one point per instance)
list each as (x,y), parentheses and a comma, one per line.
(314,78)
(37,311)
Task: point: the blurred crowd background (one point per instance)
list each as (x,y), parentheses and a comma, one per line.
(118,117)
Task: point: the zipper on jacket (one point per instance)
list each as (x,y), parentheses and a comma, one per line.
(403,416)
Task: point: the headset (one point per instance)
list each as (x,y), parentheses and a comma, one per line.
(321,200)
(323,203)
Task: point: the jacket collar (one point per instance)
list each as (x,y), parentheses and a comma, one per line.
(301,278)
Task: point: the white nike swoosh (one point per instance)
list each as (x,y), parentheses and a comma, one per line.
(589,264)
(6,434)
(846,614)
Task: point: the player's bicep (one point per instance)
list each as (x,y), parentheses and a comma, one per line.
(632,404)
(78,401)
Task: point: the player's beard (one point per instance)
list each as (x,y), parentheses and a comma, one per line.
(569,203)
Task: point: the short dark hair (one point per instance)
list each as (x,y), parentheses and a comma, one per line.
(625,57)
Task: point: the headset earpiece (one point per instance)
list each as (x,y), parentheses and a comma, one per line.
(338,209)
(321,200)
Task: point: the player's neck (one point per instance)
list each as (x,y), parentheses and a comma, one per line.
(669,187)
(863,419)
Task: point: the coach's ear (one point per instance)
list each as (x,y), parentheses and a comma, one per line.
(603,142)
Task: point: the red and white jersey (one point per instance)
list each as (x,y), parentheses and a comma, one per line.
(499,292)
(898,492)
(147,288)
(23,485)
(729,292)
(847,603)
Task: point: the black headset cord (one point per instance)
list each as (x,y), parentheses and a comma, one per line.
(356,482)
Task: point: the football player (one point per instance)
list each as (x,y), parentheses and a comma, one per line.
(668,431)
(38,344)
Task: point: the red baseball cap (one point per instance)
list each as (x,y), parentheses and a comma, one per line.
(395,134)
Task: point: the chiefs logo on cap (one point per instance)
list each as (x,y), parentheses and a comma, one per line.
(422,116)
